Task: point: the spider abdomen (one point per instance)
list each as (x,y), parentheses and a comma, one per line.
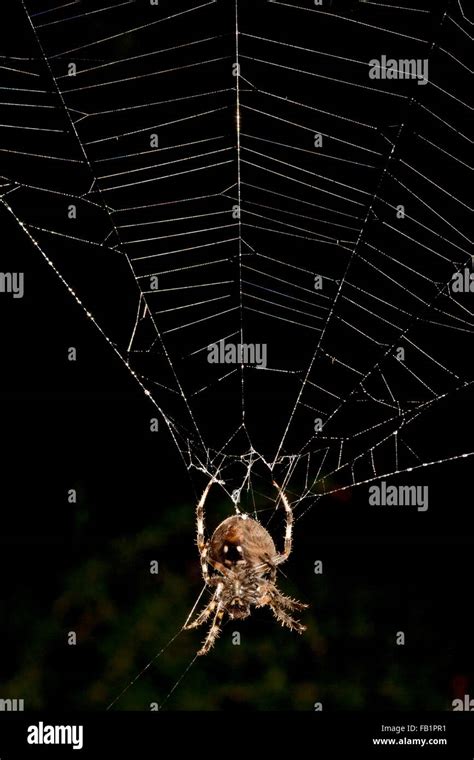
(241,540)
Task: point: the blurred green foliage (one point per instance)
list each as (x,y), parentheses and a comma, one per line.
(123,616)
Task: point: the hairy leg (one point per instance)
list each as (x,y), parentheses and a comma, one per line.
(207,611)
(214,631)
(288,528)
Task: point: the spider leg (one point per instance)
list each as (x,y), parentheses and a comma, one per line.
(287,620)
(284,618)
(202,544)
(289,527)
(207,611)
(204,562)
(219,567)
(214,631)
(279,603)
(287,602)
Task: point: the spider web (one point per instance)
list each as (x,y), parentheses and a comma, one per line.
(155,123)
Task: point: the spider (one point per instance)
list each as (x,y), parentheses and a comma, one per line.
(244,557)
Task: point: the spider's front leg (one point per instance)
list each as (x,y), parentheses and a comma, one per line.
(202,544)
(288,529)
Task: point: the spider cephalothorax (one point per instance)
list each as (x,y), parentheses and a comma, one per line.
(244,558)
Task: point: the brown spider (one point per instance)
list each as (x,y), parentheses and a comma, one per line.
(244,557)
